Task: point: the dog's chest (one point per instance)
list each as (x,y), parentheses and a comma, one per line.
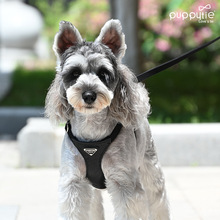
(93,152)
(92,127)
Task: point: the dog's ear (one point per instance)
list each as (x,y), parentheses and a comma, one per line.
(112,36)
(58,110)
(67,36)
(131,101)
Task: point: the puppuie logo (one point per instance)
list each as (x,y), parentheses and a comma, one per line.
(201,8)
(201,15)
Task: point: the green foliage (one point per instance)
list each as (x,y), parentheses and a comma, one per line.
(177,95)
(29,87)
(87,15)
(185,95)
(173,5)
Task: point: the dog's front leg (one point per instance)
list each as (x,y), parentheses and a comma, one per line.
(75,193)
(74,199)
(155,187)
(128,197)
(154,183)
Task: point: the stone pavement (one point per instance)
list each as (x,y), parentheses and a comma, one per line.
(31,194)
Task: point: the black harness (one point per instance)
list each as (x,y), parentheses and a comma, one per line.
(92,153)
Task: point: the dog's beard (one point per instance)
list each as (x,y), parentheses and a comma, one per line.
(103,99)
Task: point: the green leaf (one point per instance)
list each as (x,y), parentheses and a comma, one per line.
(173,5)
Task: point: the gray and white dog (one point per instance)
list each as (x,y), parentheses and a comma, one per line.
(94,91)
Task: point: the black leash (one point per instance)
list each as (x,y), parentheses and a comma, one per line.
(172,62)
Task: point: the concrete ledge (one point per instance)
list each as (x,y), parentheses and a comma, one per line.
(13,119)
(188,144)
(177,144)
(40,144)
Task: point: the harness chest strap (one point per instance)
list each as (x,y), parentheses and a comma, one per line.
(93,152)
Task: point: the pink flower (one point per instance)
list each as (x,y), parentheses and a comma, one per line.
(202,34)
(148,8)
(162,45)
(169,28)
(97,20)
(95,1)
(178,22)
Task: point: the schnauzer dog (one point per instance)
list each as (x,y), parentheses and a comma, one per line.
(108,143)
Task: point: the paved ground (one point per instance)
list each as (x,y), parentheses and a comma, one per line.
(31,194)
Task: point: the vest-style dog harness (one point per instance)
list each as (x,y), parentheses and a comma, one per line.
(93,152)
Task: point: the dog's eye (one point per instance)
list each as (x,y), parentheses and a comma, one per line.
(75,73)
(71,75)
(104,75)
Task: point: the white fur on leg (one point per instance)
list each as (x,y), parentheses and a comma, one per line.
(74,200)
(154,184)
(130,201)
(96,206)
(160,210)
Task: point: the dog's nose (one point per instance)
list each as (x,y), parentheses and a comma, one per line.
(89,97)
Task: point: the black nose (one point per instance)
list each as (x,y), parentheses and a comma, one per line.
(89,97)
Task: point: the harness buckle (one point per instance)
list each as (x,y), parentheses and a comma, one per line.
(90,151)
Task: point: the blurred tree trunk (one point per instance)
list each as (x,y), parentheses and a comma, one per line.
(126,11)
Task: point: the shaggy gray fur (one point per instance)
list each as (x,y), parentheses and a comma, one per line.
(133,175)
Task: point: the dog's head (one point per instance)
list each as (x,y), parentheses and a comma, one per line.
(90,76)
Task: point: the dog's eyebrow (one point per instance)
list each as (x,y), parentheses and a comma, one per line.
(99,60)
(75,60)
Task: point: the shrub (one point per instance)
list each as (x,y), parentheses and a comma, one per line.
(29,87)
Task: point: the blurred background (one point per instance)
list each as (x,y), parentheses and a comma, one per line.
(188,92)
(156,31)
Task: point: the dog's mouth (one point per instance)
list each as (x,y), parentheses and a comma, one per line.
(89,107)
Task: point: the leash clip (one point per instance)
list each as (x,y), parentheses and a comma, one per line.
(67,126)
